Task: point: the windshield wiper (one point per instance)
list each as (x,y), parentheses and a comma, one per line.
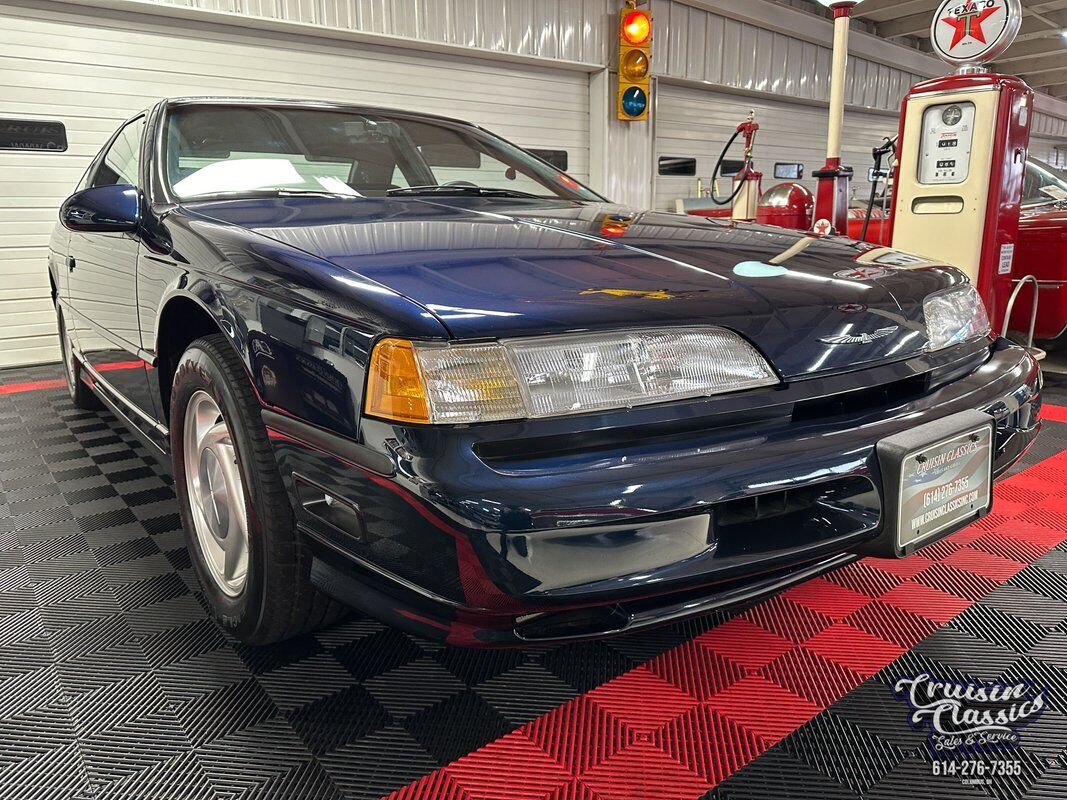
(268,192)
(462,189)
(283,192)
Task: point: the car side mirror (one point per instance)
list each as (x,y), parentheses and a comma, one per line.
(102,209)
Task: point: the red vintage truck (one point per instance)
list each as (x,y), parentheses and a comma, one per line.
(1042,249)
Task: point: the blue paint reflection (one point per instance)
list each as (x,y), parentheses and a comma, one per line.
(757,269)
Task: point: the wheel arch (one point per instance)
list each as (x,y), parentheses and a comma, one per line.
(183,318)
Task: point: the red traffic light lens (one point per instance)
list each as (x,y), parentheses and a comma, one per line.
(636,27)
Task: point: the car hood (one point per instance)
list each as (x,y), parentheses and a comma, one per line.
(487,267)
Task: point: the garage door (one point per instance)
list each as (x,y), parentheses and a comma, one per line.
(695,123)
(91,72)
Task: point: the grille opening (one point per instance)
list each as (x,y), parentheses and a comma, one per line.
(791,519)
(887,394)
(766,506)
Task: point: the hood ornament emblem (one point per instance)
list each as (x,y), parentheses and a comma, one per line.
(658,294)
(861,338)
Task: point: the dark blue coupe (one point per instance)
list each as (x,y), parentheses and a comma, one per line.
(400,363)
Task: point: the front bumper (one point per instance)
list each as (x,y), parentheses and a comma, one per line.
(504,534)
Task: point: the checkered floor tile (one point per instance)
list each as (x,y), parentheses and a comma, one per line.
(114,683)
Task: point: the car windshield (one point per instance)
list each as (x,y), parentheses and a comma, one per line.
(1043,183)
(219,150)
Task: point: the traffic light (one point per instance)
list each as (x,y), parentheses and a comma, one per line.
(635,63)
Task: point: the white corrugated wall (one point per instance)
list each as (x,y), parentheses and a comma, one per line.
(703,46)
(93,70)
(1048,139)
(1051,151)
(696,123)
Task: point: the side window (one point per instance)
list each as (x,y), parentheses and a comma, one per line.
(121,163)
(1031,185)
(1042,184)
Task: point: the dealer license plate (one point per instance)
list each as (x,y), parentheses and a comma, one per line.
(944,484)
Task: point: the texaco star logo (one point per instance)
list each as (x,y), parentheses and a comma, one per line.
(974,31)
(861,273)
(823,227)
(852,308)
(969,23)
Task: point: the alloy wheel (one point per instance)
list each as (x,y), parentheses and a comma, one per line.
(216,494)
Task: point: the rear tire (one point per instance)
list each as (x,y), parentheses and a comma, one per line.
(80,394)
(263,594)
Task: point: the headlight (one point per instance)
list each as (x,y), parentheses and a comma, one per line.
(557,375)
(954,316)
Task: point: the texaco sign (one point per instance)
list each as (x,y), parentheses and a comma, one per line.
(975,31)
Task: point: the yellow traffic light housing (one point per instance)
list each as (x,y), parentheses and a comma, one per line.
(635,64)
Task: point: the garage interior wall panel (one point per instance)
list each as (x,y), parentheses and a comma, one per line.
(703,46)
(1048,139)
(1051,151)
(696,123)
(93,71)
(1050,126)
(567,30)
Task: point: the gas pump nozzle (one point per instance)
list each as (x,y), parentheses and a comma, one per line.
(879,153)
(749,128)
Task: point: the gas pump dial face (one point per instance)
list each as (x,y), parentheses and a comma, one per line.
(948,132)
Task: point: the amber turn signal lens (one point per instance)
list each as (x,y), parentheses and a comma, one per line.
(394,384)
(634,66)
(636,27)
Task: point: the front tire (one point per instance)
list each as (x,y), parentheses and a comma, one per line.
(80,394)
(240,528)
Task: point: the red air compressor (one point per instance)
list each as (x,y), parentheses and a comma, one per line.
(787,205)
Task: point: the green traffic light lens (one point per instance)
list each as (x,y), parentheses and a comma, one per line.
(634,101)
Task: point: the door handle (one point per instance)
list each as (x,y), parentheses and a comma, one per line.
(71,263)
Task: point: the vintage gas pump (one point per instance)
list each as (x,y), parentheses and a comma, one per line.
(962,149)
(747,183)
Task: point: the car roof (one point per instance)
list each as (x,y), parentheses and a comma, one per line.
(171,102)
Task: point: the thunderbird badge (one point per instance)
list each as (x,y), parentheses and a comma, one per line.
(861,338)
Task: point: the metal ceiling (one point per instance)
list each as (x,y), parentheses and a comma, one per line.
(1039,54)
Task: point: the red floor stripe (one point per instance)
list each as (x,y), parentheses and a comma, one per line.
(31,386)
(1054,413)
(120,365)
(676,726)
(58,383)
